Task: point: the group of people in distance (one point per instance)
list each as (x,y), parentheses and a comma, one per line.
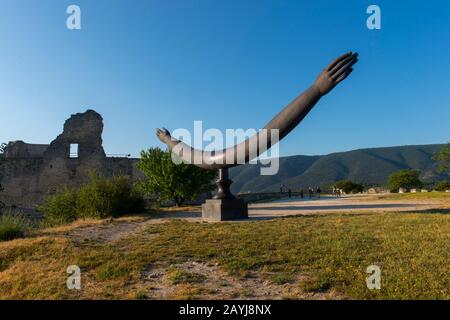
(302,192)
(337,192)
(311,193)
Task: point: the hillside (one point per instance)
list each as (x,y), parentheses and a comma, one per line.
(365,166)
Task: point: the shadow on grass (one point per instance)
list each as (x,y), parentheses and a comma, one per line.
(176,214)
(338,207)
(428,211)
(314,215)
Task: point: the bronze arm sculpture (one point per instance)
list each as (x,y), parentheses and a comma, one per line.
(284,122)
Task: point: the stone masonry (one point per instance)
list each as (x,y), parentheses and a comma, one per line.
(31,172)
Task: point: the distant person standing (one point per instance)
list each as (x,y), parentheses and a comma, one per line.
(310,192)
(318,192)
(301,193)
(289,193)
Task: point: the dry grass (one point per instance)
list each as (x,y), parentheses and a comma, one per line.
(180,209)
(434,195)
(312,256)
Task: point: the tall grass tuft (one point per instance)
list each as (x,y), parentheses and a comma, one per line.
(60,208)
(13,225)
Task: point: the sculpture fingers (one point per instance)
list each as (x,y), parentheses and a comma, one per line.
(345,75)
(161,133)
(344,69)
(337,60)
(342,63)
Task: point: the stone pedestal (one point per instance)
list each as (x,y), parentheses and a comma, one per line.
(224,209)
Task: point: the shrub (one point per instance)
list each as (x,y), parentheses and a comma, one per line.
(104,197)
(442,186)
(348,186)
(60,208)
(100,198)
(13,225)
(357,188)
(407,179)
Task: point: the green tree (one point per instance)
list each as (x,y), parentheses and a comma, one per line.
(170,181)
(442,186)
(407,179)
(348,186)
(443,156)
(357,188)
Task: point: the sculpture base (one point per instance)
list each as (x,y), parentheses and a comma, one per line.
(224,210)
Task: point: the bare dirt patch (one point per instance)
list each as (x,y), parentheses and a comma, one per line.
(111,230)
(200,280)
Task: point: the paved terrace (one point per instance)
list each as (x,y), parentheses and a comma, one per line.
(297,206)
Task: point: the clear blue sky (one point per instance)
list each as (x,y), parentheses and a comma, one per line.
(232,64)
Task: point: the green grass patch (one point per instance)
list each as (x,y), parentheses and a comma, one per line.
(317,284)
(141,295)
(282,278)
(13,225)
(111,270)
(435,195)
(179,277)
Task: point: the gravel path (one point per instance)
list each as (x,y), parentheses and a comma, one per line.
(296,206)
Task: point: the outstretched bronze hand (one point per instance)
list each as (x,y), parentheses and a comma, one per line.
(163,135)
(284,122)
(336,72)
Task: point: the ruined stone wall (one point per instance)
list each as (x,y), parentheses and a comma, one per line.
(20,149)
(20,180)
(84,129)
(30,173)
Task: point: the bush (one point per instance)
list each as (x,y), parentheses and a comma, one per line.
(60,208)
(100,198)
(104,197)
(349,187)
(407,179)
(357,188)
(13,225)
(442,186)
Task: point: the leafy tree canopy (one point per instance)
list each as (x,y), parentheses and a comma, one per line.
(442,186)
(348,186)
(170,181)
(407,179)
(443,156)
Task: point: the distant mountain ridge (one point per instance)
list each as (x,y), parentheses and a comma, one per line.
(365,166)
